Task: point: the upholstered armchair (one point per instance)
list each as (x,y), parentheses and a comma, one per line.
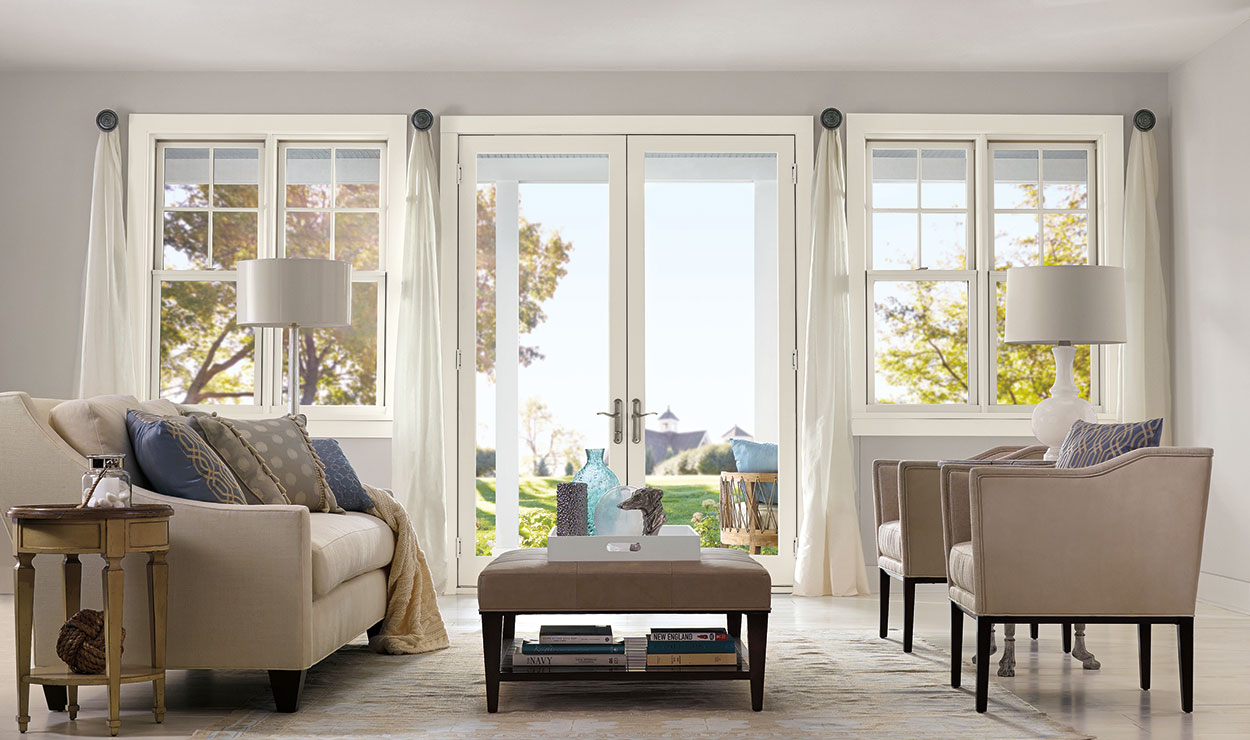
(907,510)
(1117,543)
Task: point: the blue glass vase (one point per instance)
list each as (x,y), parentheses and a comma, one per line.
(599,479)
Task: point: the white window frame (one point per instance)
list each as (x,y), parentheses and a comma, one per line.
(147,131)
(980,417)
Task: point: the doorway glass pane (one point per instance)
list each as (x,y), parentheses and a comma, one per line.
(542,344)
(711,332)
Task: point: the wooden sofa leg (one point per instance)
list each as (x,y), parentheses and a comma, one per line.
(287,687)
(1143,655)
(909,612)
(1185,649)
(375,630)
(884,596)
(984,627)
(957,644)
(1033,630)
(57,697)
(1067,636)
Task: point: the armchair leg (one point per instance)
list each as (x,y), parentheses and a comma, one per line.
(884,597)
(1033,630)
(1185,647)
(957,644)
(287,687)
(909,612)
(1143,655)
(983,663)
(1067,636)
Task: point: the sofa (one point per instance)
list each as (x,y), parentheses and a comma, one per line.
(263,587)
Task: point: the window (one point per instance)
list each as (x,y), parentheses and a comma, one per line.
(940,208)
(231,188)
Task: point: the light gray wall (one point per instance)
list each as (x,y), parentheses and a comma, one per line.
(48,140)
(1211,269)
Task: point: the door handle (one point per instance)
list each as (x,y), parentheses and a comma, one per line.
(618,420)
(637,417)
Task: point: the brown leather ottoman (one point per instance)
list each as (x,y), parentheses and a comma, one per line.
(725,582)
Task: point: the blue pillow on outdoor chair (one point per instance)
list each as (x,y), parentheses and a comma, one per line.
(754,457)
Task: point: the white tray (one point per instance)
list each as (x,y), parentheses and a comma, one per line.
(674,542)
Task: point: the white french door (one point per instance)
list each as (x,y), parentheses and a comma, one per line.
(624,292)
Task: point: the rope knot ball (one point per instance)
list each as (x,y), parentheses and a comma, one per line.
(81,642)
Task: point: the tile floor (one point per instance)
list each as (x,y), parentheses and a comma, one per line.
(1105,703)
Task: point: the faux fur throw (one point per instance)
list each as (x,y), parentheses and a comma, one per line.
(413,623)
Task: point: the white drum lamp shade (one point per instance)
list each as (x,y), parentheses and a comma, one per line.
(294,294)
(1064,305)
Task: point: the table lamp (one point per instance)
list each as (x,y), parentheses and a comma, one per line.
(1063,306)
(294,294)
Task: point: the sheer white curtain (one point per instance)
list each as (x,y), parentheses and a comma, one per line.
(1145,374)
(831,556)
(107,363)
(417,439)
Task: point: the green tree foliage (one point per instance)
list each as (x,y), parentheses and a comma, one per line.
(710,459)
(545,440)
(923,341)
(543,262)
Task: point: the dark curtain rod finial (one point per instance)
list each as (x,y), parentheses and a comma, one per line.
(106,120)
(831,118)
(1144,119)
(422,119)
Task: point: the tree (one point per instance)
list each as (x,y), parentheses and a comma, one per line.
(924,333)
(543,260)
(544,439)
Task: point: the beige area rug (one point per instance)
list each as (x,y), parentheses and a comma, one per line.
(821,684)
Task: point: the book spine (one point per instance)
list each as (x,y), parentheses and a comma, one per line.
(533,648)
(568,660)
(692,659)
(707,646)
(575,639)
(703,636)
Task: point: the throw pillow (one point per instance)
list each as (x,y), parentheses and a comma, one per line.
(179,462)
(1089,444)
(342,477)
(754,457)
(283,446)
(97,425)
(247,465)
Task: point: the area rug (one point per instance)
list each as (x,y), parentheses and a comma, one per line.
(822,684)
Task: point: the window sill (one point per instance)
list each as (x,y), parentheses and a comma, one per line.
(913,425)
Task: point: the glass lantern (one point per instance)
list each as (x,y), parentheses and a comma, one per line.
(105,485)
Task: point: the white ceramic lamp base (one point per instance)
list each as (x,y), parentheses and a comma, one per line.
(1054,416)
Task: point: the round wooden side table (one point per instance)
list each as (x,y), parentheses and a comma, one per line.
(64,529)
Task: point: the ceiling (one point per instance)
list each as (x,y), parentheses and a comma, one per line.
(594,35)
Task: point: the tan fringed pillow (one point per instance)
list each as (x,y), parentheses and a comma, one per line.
(248,466)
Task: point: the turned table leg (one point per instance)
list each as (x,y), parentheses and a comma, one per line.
(1080,652)
(114,596)
(24,623)
(1007,663)
(72,571)
(158,589)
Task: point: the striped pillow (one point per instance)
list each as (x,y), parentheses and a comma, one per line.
(1089,444)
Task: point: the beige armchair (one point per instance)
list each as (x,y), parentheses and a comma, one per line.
(1139,517)
(907,510)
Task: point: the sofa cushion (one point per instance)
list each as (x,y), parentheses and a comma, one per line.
(346,546)
(97,425)
(341,476)
(890,540)
(960,569)
(178,462)
(1090,444)
(283,446)
(253,475)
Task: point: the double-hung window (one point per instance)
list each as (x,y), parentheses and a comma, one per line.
(220,189)
(939,209)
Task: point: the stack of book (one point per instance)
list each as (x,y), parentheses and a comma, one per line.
(570,647)
(700,648)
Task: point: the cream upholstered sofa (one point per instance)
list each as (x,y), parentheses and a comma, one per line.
(275,588)
(1117,542)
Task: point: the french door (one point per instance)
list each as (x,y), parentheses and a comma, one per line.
(634,294)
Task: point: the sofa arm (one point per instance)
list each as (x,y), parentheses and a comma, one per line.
(920,518)
(884,492)
(1123,538)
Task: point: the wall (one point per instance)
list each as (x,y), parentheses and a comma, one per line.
(1211,265)
(48,142)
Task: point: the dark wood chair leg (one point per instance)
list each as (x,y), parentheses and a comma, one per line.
(1033,630)
(287,686)
(1185,647)
(957,644)
(1143,655)
(733,624)
(492,647)
(884,596)
(509,631)
(757,650)
(983,663)
(57,697)
(1067,636)
(909,612)
(375,630)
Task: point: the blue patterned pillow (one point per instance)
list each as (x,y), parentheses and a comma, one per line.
(178,461)
(344,483)
(1089,444)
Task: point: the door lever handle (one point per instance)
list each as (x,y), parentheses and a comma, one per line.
(618,420)
(637,417)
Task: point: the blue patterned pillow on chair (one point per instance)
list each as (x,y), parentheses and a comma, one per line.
(1089,444)
(179,462)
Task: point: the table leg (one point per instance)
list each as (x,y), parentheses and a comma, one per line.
(24,622)
(72,571)
(757,649)
(114,594)
(509,631)
(492,646)
(733,624)
(158,586)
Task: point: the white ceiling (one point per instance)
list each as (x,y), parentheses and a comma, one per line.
(594,35)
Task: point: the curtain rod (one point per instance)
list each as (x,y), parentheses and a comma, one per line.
(831,118)
(1144,120)
(422,119)
(106,120)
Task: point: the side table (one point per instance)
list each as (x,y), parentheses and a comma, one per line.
(63,529)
